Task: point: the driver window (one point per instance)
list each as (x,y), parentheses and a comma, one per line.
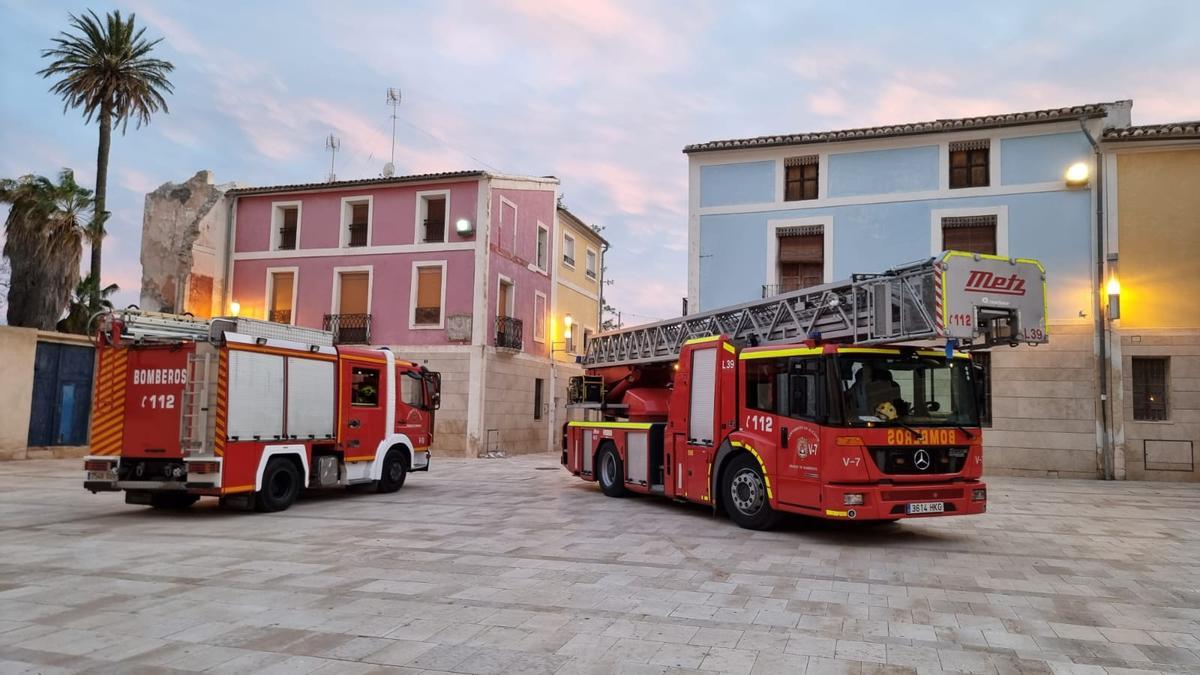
(411,391)
(806,389)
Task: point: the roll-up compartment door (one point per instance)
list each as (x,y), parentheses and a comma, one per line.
(310,391)
(586,450)
(636,460)
(704,390)
(255,395)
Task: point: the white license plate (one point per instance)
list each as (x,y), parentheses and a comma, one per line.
(926,507)
(99,475)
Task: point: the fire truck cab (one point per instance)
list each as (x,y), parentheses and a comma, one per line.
(250,412)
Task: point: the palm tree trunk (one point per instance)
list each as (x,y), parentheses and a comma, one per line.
(96,231)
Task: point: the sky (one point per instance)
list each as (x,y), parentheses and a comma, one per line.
(603,94)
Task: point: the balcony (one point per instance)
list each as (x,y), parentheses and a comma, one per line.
(508,333)
(349,329)
(280,316)
(287,238)
(358,234)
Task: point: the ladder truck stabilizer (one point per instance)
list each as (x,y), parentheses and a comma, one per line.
(967,300)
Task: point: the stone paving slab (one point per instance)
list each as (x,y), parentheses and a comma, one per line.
(513,566)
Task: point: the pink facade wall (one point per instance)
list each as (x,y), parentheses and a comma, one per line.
(393,223)
(512,259)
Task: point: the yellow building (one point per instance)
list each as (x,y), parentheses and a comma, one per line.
(1154,276)
(578,284)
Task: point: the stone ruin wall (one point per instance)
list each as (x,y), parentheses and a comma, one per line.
(184,227)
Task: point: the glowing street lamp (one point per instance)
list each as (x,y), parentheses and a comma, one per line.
(234,308)
(567,321)
(1077,174)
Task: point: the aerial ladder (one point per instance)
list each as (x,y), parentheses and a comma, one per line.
(965,300)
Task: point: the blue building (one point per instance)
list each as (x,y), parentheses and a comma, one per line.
(772,214)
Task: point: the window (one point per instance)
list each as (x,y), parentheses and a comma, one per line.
(537,397)
(354,292)
(412,390)
(286,219)
(787,387)
(973,234)
(543,247)
(1150,388)
(356,221)
(800,178)
(969,164)
(428,295)
(432,217)
(539,316)
(506,236)
(282,285)
(569,250)
(983,369)
(591,263)
(587,338)
(801,258)
(364,387)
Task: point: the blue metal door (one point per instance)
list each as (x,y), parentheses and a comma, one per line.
(62,395)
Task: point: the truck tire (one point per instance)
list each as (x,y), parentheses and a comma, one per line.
(280,485)
(172,500)
(395,470)
(744,494)
(610,472)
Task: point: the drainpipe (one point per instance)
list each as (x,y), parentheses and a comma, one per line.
(1107,459)
(226,284)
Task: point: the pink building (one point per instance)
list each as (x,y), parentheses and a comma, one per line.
(451,269)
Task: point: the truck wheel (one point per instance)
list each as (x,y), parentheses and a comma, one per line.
(744,495)
(394,472)
(611,473)
(172,500)
(280,486)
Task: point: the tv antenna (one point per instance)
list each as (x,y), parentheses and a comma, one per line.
(393,99)
(332,144)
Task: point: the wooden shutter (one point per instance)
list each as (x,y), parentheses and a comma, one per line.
(973,234)
(429,287)
(281,292)
(353,297)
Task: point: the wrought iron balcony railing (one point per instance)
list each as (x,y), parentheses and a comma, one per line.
(349,329)
(287,238)
(358,234)
(785,285)
(508,333)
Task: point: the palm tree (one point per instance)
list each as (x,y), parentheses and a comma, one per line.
(105,68)
(87,302)
(44,235)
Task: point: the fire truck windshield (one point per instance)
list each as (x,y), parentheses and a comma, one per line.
(905,390)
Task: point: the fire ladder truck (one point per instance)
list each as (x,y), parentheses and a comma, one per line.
(851,400)
(249,411)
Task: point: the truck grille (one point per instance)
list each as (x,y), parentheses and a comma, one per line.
(919,459)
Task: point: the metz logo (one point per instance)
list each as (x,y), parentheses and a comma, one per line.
(986,282)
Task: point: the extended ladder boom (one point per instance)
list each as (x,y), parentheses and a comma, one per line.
(977,300)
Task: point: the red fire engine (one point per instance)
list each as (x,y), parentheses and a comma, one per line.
(249,411)
(852,400)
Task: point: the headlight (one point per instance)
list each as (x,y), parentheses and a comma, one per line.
(979,495)
(852,499)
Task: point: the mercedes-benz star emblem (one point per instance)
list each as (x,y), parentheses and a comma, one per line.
(922,460)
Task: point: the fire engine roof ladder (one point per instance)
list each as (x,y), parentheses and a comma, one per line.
(898,305)
(142,326)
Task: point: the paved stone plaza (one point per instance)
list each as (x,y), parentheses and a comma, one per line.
(512,566)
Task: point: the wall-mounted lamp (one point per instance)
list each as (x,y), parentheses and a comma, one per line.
(1077,174)
(464,227)
(234,308)
(1113,287)
(567,321)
